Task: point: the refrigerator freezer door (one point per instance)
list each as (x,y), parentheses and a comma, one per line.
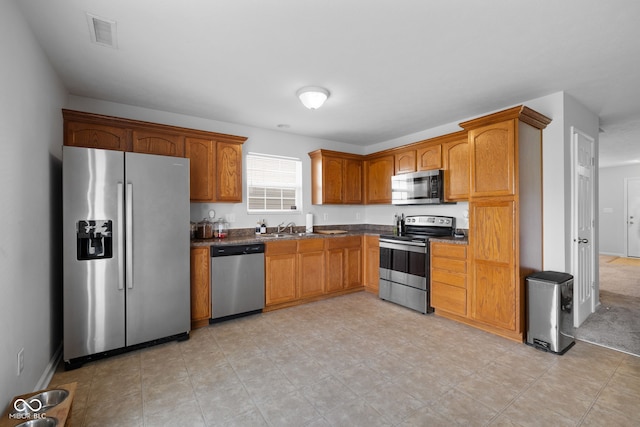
(158,290)
(94,317)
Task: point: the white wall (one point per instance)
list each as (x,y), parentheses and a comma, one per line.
(31,177)
(612,224)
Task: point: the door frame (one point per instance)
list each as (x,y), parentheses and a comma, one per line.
(626,213)
(595,298)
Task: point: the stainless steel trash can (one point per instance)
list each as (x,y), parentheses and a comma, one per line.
(550,311)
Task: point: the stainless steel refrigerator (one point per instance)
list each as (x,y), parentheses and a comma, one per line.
(126,251)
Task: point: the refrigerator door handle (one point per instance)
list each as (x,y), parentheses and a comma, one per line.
(129,236)
(121,238)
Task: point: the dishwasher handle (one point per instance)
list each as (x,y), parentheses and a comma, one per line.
(229,250)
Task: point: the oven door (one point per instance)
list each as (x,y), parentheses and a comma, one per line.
(403,262)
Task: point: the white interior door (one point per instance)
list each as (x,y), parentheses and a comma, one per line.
(633,217)
(582,217)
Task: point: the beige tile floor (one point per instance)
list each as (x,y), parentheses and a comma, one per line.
(355,361)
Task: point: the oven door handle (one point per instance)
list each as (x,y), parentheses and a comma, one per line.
(404,246)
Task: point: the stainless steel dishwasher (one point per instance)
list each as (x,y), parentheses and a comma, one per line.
(237,280)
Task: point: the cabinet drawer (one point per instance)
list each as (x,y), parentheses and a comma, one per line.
(343,242)
(283,247)
(449,251)
(449,298)
(310,245)
(454,279)
(455,265)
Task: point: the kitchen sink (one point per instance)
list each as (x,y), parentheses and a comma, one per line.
(281,235)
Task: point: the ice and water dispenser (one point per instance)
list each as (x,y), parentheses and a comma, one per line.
(94,239)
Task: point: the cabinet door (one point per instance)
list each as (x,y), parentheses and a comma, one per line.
(371,263)
(430,157)
(201,153)
(151,142)
(311,273)
(91,135)
(456,174)
(405,161)
(492,155)
(229,172)
(352,181)
(353,267)
(495,283)
(280,280)
(335,269)
(332,179)
(200,287)
(378,179)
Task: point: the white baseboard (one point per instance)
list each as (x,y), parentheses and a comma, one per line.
(45,379)
(611,254)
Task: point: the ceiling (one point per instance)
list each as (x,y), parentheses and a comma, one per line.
(393,68)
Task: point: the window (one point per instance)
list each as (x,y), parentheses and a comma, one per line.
(274,184)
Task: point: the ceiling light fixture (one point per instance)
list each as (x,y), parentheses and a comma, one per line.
(312,97)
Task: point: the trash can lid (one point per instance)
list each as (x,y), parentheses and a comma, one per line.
(551,276)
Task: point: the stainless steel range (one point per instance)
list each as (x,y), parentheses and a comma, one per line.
(404,261)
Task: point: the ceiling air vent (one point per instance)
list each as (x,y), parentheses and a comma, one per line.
(103,31)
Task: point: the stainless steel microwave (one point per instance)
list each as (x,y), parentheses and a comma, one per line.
(418,188)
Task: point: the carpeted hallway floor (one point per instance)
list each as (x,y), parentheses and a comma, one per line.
(616,323)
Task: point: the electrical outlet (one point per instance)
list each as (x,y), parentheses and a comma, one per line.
(231,218)
(20,361)
(357,215)
(325,217)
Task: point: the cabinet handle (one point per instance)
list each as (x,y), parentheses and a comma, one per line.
(121,237)
(129,236)
(583,240)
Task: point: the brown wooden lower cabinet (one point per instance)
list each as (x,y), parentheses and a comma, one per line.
(280,272)
(449,278)
(200,287)
(298,271)
(311,272)
(371,277)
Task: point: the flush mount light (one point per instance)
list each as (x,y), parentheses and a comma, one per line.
(312,97)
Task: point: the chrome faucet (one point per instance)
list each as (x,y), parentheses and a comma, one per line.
(282,228)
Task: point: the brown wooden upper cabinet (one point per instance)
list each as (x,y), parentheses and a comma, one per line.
(422,157)
(429,157)
(455,154)
(378,172)
(405,161)
(215,159)
(202,155)
(161,143)
(493,159)
(336,178)
(228,172)
(93,135)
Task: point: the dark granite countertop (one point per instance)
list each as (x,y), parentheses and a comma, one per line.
(455,240)
(248,236)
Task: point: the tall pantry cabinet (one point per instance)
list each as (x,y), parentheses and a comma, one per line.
(505,212)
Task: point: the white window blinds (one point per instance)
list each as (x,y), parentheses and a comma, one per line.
(274,184)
